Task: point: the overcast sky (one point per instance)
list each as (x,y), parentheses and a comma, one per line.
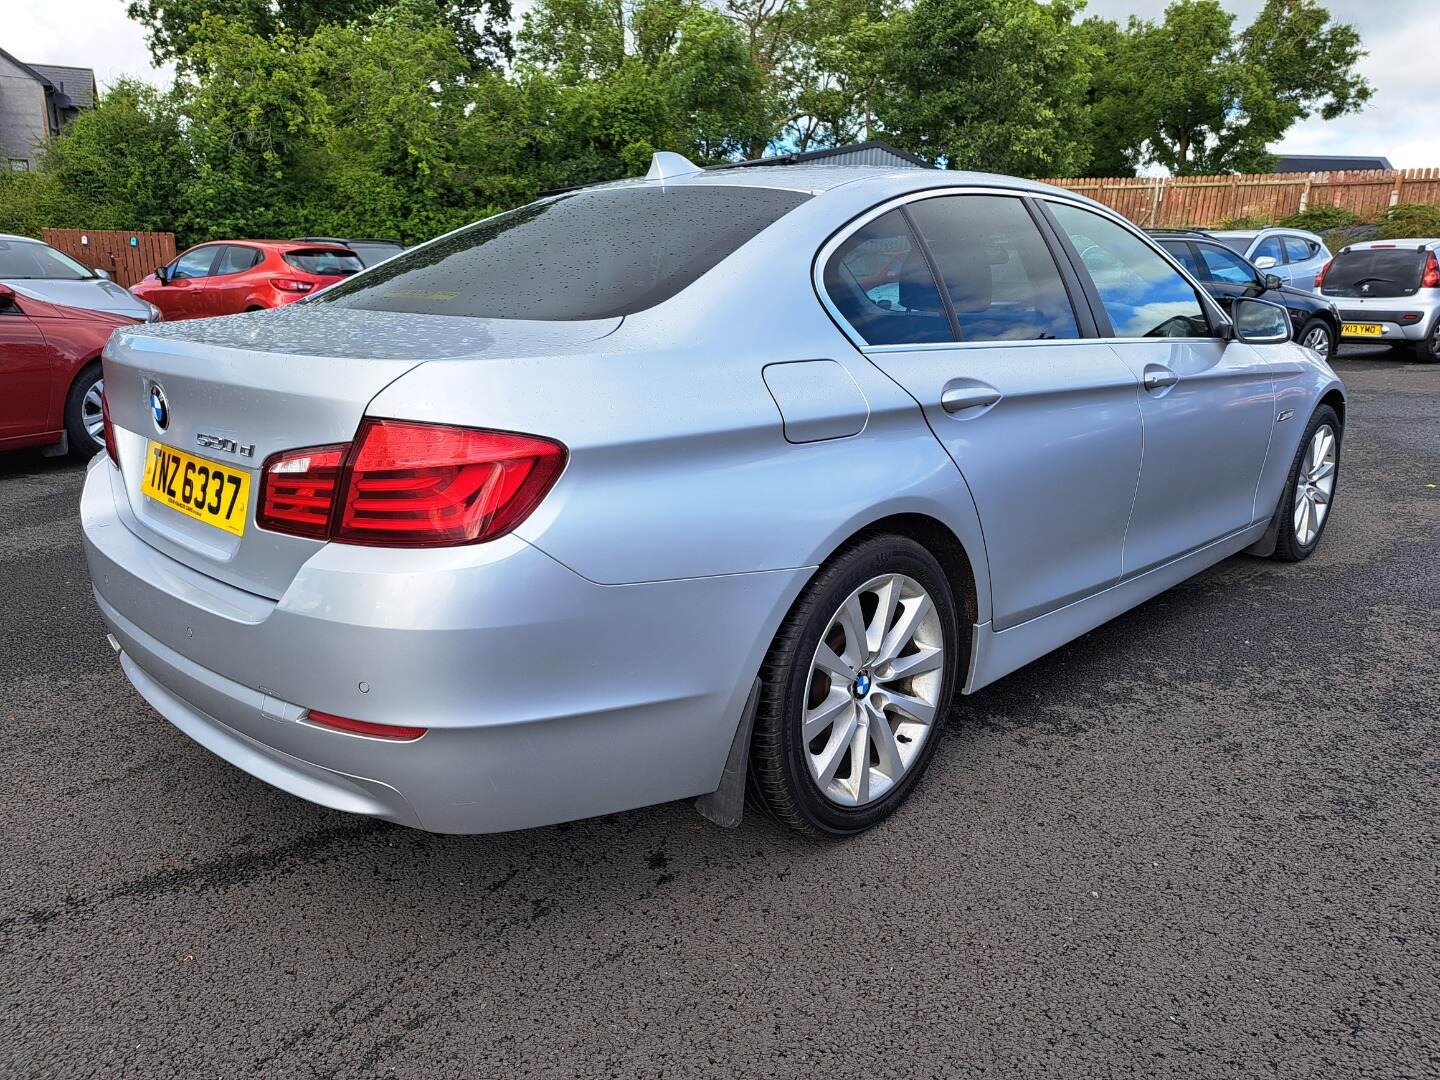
(1403,37)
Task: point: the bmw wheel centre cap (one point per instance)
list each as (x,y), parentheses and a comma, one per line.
(159,407)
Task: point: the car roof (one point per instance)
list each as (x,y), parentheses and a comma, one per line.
(274,245)
(886,181)
(346,240)
(24,239)
(1417,243)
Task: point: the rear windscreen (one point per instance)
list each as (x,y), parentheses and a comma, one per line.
(589,255)
(330,263)
(1375,272)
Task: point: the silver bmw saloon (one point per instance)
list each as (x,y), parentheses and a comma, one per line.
(718,483)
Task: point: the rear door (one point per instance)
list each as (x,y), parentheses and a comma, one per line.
(1043,423)
(228,288)
(1208,405)
(1300,267)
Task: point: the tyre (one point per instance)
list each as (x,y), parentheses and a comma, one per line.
(855,688)
(1305,507)
(1428,351)
(84,420)
(1317,336)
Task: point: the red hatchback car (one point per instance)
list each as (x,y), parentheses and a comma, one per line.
(229,276)
(50,388)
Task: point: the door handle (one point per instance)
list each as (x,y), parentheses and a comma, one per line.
(957,399)
(1157,377)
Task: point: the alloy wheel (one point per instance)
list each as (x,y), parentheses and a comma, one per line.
(92,411)
(1315,485)
(872,694)
(1317,340)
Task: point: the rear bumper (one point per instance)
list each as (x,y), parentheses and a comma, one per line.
(1407,324)
(547,697)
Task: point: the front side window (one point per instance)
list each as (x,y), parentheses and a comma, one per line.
(593,254)
(194,263)
(1269,248)
(1225,266)
(881,283)
(1002,281)
(1143,295)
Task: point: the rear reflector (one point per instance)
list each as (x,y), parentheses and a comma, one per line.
(407,484)
(298,490)
(364,727)
(110,447)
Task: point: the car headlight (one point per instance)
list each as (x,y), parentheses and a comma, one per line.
(152,313)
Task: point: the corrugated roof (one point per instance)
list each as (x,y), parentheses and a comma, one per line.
(1298,163)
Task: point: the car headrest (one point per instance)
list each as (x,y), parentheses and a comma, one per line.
(917,290)
(967,276)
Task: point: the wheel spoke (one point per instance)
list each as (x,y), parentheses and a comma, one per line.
(860,763)
(920,711)
(886,748)
(886,596)
(852,621)
(1318,497)
(1321,471)
(917,663)
(904,630)
(827,661)
(835,707)
(836,748)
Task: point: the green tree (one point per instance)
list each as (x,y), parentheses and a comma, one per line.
(480,27)
(1190,94)
(987,84)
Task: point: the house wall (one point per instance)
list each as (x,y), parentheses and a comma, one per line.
(24,121)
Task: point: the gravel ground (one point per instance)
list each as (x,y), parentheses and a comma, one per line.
(1200,841)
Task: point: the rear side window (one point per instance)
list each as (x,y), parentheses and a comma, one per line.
(1184,254)
(1237,244)
(1143,294)
(328,263)
(1001,279)
(881,282)
(1225,266)
(234,259)
(1375,272)
(594,254)
(1297,249)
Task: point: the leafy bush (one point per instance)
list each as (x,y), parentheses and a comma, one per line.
(1318,219)
(1409,220)
(1335,239)
(1251,221)
(20,213)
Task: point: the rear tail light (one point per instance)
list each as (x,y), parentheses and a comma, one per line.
(298,491)
(405,484)
(110,447)
(1320,277)
(1430,279)
(290,284)
(365,727)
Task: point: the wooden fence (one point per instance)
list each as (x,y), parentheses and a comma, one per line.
(1206,201)
(125,256)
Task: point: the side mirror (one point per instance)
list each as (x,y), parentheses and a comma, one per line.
(1274,281)
(102,273)
(161,276)
(1259,322)
(1266,262)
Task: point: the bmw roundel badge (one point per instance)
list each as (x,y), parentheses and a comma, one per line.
(159,407)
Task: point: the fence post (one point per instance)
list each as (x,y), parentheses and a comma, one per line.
(1395,191)
(1305,193)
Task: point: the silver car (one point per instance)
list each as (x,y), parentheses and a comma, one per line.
(1292,255)
(1388,292)
(37,270)
(670,487)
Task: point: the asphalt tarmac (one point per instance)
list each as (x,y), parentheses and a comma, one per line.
(1203,840)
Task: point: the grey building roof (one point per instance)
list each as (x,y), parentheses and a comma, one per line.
(1296,163)
(76,83)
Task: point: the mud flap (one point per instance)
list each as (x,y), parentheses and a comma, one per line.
(1265,546)
(725,806)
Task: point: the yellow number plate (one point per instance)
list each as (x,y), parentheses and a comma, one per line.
(205,490)
(1362,329)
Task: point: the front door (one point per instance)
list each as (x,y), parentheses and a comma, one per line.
(1043,425)
(27,376)
(1208,405)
